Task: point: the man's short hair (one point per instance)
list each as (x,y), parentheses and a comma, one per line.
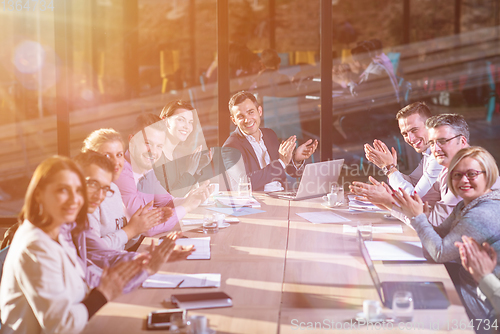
(485,160)
(87,158)
(148,120)
(455,121)
(415,108)
(240,97)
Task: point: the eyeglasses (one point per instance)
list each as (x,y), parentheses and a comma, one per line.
(441,141)
(94,185)
(471,174)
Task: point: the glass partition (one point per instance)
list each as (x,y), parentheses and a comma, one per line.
(127,58)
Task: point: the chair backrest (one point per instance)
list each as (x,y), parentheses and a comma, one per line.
(3,255)
(282,114)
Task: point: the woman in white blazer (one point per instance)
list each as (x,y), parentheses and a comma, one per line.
(43,287)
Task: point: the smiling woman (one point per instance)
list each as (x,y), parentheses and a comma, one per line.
(183,160)
(472,174)
(44,287)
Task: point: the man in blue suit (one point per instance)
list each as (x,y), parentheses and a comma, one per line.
(266,160)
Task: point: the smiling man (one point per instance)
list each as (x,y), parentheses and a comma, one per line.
(411,120)
(138,184)
(447,134)
(266,160)
(98,173)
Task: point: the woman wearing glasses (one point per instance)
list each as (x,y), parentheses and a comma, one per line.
(109,220)
(44,288)
(471,175)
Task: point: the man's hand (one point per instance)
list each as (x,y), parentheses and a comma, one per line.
(197,196)
(410,205)
(181,253)
(378,193)
(380,155)
(161,253)
(305,150)
(143,220)
(286,149)
(114,279)
(478,260)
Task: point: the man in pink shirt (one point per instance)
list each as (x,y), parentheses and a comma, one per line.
(138,184)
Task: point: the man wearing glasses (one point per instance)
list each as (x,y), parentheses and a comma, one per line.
(448,134)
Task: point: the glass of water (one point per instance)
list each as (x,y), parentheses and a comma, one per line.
(210,223)
(402,306)
(366,229)
(245,187)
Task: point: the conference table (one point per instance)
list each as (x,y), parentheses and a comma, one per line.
(285,275)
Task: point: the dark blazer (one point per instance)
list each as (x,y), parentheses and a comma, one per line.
(274,171)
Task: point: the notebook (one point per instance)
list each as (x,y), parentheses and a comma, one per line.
(426,295)
(316,181)
(193,301)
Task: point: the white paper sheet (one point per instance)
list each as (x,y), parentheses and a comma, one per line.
(379,228)
(323,217)
(183,281)
(236,202)
(395,250)
(189,222)
(201,245)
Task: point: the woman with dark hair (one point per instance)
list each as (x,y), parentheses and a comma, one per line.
(182,162)
(44,286)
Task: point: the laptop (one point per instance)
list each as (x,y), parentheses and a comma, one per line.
(316,181)
(426,295)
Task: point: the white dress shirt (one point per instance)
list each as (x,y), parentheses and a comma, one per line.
(421,179)
(442,208)
(262,154)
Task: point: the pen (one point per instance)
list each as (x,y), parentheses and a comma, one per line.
(179,285)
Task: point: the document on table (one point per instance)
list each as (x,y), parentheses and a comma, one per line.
(395,250)
(379,228)
(237,202)
(183,281)
(243,211)
(323,217)
(201,245)
(190,222)
(358,205)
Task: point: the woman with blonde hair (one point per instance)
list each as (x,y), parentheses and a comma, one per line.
(44,287)
(109,221)
(471,175)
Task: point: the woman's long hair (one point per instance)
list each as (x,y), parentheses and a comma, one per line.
(42,176)
(195,138)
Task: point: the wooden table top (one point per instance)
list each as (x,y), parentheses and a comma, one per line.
(280,271)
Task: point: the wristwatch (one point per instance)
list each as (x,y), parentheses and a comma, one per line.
(387,169)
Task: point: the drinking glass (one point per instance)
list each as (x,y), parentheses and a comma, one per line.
(340,196)
(210,224)
(402,306)
(366,229)
(334,188)
(245,187)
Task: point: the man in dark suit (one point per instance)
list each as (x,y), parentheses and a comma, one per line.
(266,160)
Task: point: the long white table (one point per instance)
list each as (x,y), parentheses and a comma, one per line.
(281,271)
